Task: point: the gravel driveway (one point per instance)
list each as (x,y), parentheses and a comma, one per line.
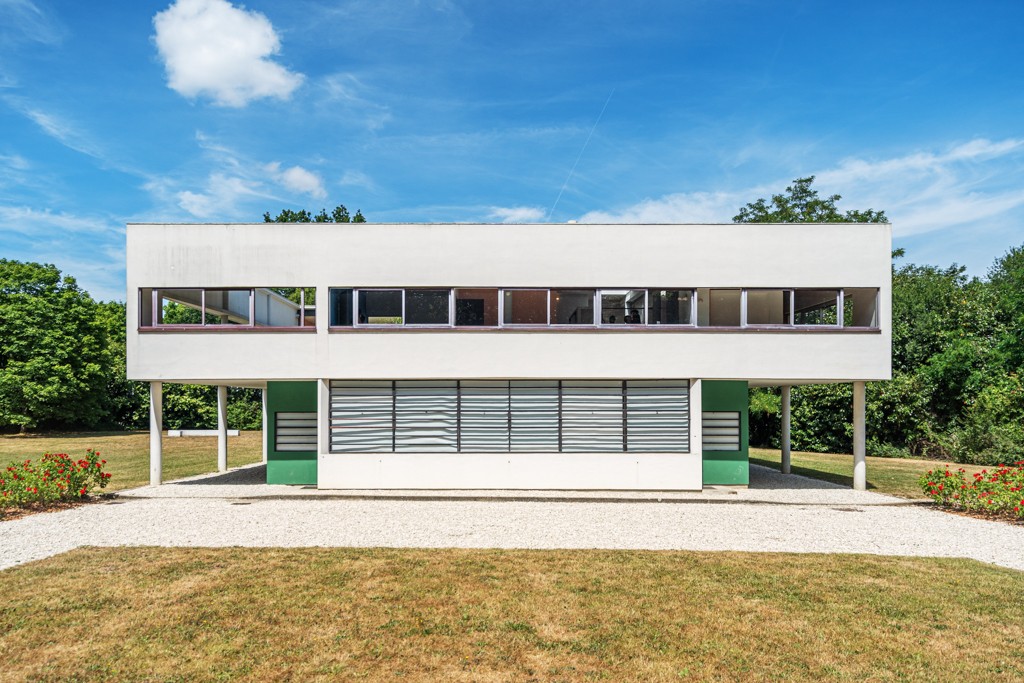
(778,513)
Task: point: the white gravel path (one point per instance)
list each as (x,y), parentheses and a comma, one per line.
(786,514)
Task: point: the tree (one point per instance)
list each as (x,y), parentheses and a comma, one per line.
(1007,279)
(54,360)
(339,215)
(801,204)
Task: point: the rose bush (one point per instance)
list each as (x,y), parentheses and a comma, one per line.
(997,491)
(54,477)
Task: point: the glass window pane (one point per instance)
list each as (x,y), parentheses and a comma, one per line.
(860,307)
(380,307)
(426,306)
(309,312)
(723,307)
(179,307)
(670,306)
(526,307)
(227,306)
(768,307)
(277,306)
(572,307)
(815,306)
(146,307)
(341,308)
(476,307)
(623,306)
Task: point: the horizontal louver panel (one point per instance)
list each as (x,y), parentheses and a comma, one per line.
(534,412)
(425,417)
(484,417)
(480,416)
(720,430)
(294,431)
(592,416)
(658,416)
(362,417)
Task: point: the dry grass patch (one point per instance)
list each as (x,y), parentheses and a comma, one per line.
(895,476)
(486,615)
(127,453)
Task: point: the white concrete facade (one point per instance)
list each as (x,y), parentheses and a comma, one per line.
(577,256)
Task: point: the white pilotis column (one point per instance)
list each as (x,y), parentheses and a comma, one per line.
(860,467)
(222,428)
(156,445)
(786,468)
(696,417)
(266,435)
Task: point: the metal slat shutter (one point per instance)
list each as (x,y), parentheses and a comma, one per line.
(591,416)
(534,416)
(484,417)
(720,430)
(294,431)
(425,416)
(658,416)
(361,417)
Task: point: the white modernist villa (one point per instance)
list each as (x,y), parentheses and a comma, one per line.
(482,356)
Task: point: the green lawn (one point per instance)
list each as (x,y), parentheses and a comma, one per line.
(127,453)
(163,614)
(895,476)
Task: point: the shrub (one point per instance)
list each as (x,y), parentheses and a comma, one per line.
(999,491)
(54,477)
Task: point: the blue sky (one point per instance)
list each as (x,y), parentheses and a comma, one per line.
(451,110)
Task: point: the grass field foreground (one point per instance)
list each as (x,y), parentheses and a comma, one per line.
(127,453)
(487,615)
(895,476)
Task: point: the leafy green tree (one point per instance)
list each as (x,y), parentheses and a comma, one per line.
(801,204)
(127,401)
(338,215)
(54,360)
(1007,279)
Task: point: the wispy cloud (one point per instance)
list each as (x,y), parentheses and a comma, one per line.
(56,126)
(356,100)
(23,21)
(920,192)
(516,214)
(212,48)
(28,221)
(352,178)
(230,183)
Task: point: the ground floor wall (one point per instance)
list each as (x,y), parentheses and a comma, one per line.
(286,462)
(293,460)
(726,467)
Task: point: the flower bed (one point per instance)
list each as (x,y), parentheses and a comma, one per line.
(999,491)
(53,478)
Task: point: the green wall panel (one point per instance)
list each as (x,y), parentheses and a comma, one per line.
(291,467)
(727,467)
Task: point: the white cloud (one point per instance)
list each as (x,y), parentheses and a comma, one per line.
(298,179)
(973,183)
(516,214)
(212,48)
(220,197)
(680,207)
